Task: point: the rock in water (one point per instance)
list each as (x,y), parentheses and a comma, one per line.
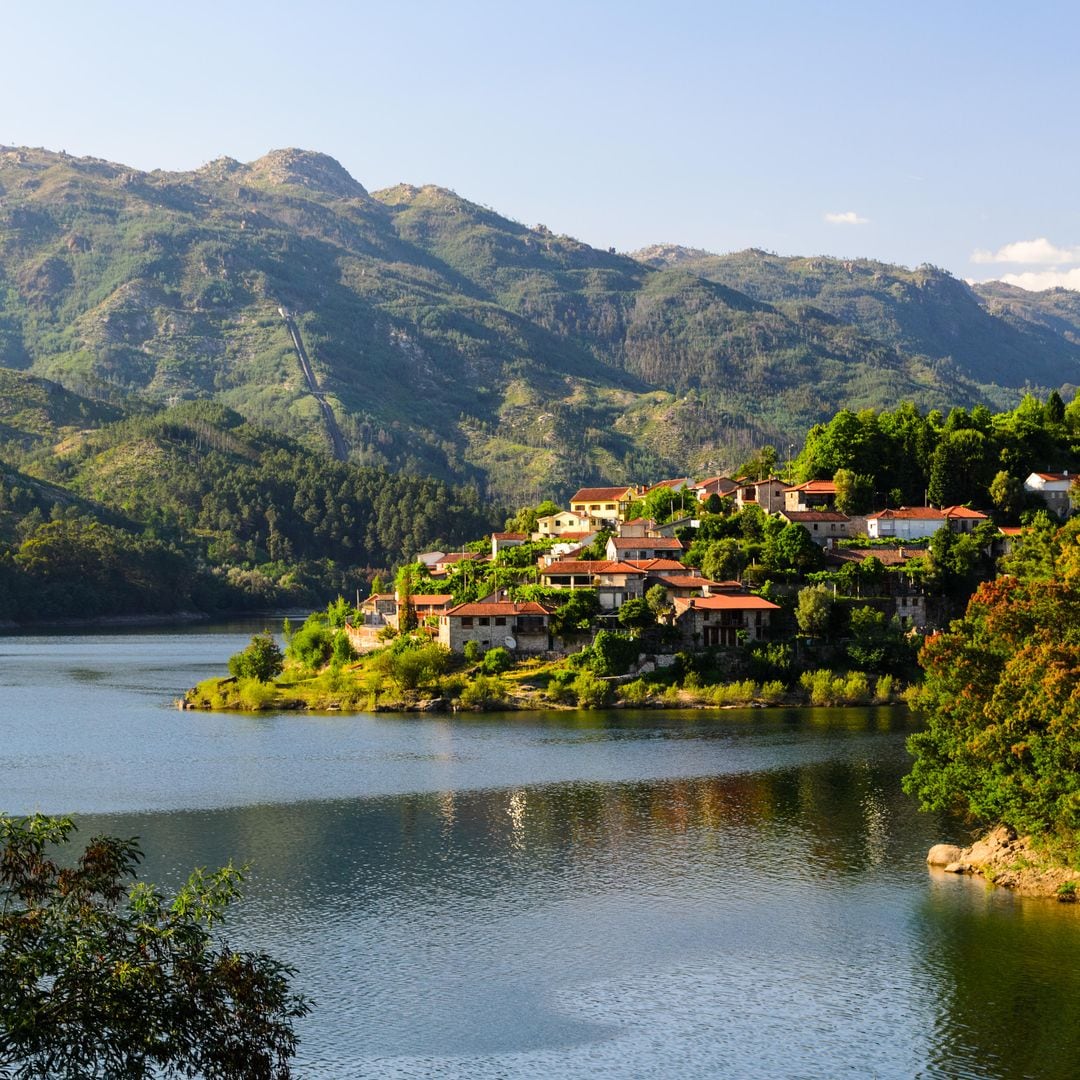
(943,854)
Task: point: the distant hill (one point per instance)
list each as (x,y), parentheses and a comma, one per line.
(452,341)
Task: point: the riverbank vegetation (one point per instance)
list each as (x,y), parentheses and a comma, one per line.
(1001,701)
(320,671)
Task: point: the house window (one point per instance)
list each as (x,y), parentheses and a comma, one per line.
(500,620)
(815,528)
(594,506)
(485,621)
(466,622)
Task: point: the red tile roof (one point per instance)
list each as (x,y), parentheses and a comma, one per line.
(654,543)
(797,517)
(509,536)
(1053,476)
(654,565)
(500,607)
(913,513)
(963,512)
(431,599)
(602,494)
(816,487)
(725,603)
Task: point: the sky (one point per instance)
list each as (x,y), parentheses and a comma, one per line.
(940,132)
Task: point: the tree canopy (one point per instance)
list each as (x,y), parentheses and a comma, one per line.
(1001,701)
(104,976)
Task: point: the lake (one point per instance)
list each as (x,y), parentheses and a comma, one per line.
(647,894)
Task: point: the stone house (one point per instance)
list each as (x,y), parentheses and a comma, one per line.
(725,619)
(813,495)
(823,526)
(520,627)
(768,494)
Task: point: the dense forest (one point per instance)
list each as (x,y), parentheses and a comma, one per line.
(194,509)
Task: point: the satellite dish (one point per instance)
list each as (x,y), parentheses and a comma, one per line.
(509,642)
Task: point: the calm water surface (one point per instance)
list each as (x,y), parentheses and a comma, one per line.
(558,895)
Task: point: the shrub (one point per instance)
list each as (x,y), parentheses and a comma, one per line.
(311,645)
(772,693)
(473,652)
(261,660)
(883,688)
(497,660)
(591,692)
(255,695)
(484,692)
(341,651)
(613,652)
(635,693)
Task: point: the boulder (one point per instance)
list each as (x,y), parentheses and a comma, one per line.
(943,854)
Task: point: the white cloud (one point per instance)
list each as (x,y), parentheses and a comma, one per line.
(1038,252)
(846,217)
(1038,280)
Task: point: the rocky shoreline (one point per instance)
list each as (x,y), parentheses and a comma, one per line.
(1014,862)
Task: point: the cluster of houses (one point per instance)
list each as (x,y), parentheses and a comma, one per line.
(640,554)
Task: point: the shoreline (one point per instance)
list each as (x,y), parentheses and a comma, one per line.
(1012,862)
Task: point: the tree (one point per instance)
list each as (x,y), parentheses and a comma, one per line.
(854,492)
(795,548)
(576,614)
(657,599)
(1007,493)
(102,975)
(636,614)
(1001,705)
(262,660)
(814,609)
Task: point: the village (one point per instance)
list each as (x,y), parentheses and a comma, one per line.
(622,569)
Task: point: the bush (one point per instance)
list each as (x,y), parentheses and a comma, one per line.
(484,692)
(634,693)
(772,693)
(613,652)
(883,688)
(473,652)
(418,666)
(591,692)
(255,695)
(497,660)
(341,651)
(261,660)
(311,645)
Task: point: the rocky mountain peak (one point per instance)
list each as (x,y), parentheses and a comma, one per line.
(306,168)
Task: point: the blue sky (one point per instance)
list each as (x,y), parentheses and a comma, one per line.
(922,132)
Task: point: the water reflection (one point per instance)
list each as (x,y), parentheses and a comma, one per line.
(776,921)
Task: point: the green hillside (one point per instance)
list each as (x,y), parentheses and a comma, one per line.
(451,341)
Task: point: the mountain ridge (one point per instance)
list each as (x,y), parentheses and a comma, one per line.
(451,340)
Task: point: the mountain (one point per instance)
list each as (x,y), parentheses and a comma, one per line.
(992,333)
(449,340)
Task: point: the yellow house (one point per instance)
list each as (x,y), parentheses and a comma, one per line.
(607,503)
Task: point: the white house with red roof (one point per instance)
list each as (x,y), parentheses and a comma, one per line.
(1053,489)
(644,547)
(915,522)
(500,541)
